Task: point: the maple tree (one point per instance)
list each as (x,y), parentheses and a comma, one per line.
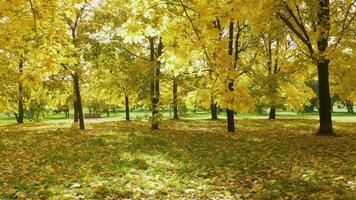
(318,28)
(156,71)
(138,51)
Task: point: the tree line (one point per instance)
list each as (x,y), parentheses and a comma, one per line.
(236,55)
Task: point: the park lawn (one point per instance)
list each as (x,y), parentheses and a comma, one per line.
(191,159)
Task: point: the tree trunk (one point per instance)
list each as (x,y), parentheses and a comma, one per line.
(155,89)
(78,102)
(272,70)
(75,111)
(175,99)
(272,113)
(214,111)
(325,121)
(324,99)
(230,117)
(107,112)
(127,108)
(349,106)
(20,115)
(213,108)
(230,113)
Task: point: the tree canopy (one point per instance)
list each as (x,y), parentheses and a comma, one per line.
(235,55)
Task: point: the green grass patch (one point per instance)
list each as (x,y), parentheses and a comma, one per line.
(194,159)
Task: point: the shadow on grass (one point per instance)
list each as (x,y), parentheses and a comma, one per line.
(186,158)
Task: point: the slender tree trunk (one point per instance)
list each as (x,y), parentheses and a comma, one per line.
(175,99)
(324,99)
(155,113)
(76,119)
(78,102)
(325,121)
(20,115)
(155,89)
(127,108)
(272,113)
(230,117)
(214,111)
(230,113)
(107,112)
(272,72)
(349,106)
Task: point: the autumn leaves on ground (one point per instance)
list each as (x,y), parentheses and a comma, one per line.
(190,159)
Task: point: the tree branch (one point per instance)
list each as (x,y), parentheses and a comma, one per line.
(345,24)
(297,33)
(135,55)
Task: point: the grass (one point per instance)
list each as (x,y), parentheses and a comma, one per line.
(338,114)
(191,159)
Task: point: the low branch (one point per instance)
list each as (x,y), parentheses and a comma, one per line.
(135,55)
(345,24)
(297,33)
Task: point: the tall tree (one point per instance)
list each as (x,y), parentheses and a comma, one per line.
(310,25)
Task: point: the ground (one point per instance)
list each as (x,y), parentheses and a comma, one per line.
(185,159)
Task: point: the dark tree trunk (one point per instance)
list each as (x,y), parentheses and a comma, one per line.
(272,70)
(214,111)
(155,89)
(272,113)
(230,120)
(155,112)
(324,99)
(325,121)
(127,108)
(107,112)
(78,102)
(213,108)
(175,99)
(230,113)
(349,106)
(20,115)
(76,119)
(230,117)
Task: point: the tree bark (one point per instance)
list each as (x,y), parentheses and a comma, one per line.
(230,113)
(20,115)
(175,99)
(78,103)
(213,109)
(272,113)
(272,70)
(324,99)
(76,119)
(349,105)
(230,116)
(155,89)
(127,108)
(323,17)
